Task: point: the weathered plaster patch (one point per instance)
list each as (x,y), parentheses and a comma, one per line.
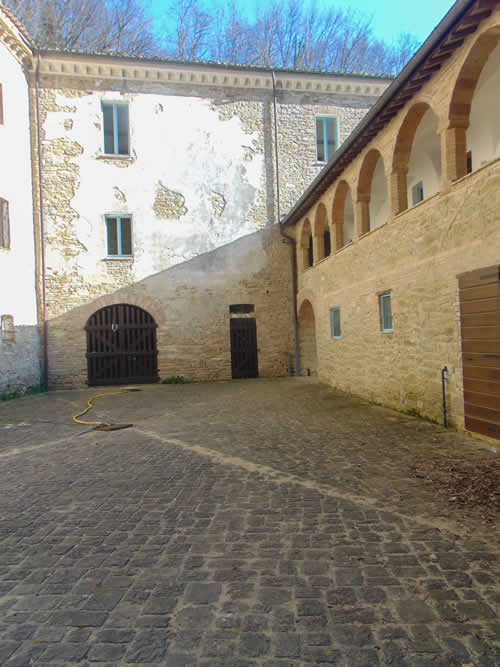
(250,151)
(218,202)
(68,124)
(249,113)
(119,195)
(168,203)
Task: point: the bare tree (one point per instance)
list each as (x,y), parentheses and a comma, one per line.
(99,25)
(192,34)
(283,34)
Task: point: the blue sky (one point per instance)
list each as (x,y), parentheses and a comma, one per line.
(393,17)
(389,17)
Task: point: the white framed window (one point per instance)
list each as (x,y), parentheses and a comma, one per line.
(326,137)
(115,123)
(385,308)
(118,236)
(417,193)
(335,323)
(4,224)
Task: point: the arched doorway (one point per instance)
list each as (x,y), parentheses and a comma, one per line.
(307,339)
(121,346)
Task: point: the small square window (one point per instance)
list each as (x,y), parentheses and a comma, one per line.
(335,322)
(119,236)
(385,312)
(4,224)
(417,193)
(326,137)
(115,123)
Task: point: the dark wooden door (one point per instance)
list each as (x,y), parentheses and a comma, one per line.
(480,322)
(121,346)
(243,347)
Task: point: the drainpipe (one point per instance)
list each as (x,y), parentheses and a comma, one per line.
(443,389)
(288,239)
(42,229)
(276,149)
(293,259)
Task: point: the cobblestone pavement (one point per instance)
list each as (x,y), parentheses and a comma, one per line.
(246,523)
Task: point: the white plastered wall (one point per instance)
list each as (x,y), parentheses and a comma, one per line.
(178,142)
(483,134)
(379,205)
(19,359)
(425,158)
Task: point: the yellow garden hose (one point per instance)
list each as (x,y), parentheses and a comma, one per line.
(89,405)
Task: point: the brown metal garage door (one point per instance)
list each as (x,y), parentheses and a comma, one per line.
(480,320)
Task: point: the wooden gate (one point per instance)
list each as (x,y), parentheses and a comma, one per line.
(121,346)
(480,321)
(243,347)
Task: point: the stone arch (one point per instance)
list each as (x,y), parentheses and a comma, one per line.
(306,255)
(473,135)
(342,215)
(307,338)
(372,192)
(417,157)
(322,232)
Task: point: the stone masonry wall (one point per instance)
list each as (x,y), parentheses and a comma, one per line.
(416,255)
(298,163)
(190,303)
(201,174)
(20,361)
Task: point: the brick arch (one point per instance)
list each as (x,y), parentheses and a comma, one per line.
(402,152)
(364,190)
(406,135)
(462,97)
(338,213)
(366,172)
(322,232)
(305,295)
(305,245)
(307,338)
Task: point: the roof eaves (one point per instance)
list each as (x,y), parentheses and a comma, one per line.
(340,159)
(22,30)
(213,63)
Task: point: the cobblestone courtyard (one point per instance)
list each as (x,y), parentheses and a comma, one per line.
(266,522)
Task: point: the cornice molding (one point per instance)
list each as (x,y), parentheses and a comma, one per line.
(13,39)
(71,66)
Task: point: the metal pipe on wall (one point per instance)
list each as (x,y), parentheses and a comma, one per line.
(42,231)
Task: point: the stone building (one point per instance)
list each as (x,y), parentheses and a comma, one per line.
(398,238)
(147,173)
(158,187)
(19,336)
